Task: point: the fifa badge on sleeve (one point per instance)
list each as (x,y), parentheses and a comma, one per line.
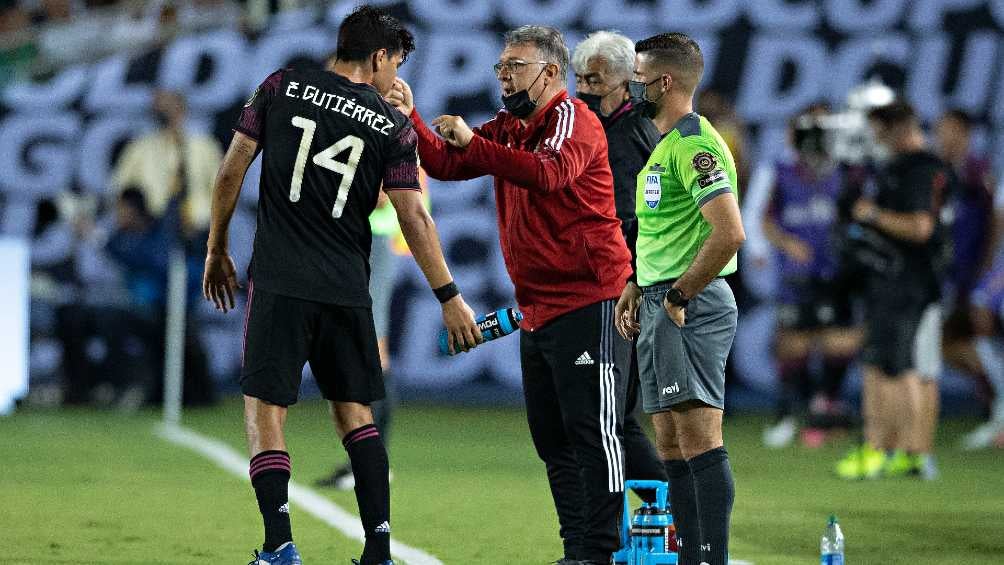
(653,190)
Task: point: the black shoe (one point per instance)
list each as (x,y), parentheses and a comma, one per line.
(341,479)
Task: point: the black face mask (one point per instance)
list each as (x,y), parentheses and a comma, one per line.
(593,101)
(518,103)
(636,89)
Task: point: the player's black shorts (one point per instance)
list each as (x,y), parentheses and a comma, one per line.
(891,325)
(817,304)
(282,333)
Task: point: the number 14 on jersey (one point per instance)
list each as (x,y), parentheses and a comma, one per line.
(326,159)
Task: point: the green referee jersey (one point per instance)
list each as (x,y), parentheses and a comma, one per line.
(690,166)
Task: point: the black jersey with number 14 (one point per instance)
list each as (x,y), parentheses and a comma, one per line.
(328,145)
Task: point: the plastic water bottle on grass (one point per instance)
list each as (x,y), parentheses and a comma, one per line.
(831,545)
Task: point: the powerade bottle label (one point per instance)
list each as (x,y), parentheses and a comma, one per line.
(492,325)
(831,559)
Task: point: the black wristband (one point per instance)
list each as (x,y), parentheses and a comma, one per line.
(675,297)
(446,292)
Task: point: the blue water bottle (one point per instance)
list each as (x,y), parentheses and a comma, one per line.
(659,521)
(493,325)
(831,545)
(648,537)
(639,529)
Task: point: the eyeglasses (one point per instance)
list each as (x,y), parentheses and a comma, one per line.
(515,66)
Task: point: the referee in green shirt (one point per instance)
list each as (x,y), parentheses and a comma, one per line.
(680,308)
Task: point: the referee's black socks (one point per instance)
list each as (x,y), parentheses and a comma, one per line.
(683,505)
(715,494)
(370,468)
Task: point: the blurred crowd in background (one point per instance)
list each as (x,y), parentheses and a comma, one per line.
(39,36)
(100,274)
(100,264)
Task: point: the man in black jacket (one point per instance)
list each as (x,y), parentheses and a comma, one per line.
(603,64)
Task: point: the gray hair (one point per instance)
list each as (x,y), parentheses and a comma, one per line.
(614,48)
(547,40)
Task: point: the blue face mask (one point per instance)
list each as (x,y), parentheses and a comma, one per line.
(518,103)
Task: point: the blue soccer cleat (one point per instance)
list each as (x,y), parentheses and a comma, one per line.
(285,554)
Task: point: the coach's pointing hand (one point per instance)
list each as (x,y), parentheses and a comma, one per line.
(454,130)
(460,325)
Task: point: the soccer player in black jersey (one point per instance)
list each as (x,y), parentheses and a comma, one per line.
(329,140)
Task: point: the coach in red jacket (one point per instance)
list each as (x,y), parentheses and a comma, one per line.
(563,248)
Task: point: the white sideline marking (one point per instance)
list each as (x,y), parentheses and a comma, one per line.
(306,498)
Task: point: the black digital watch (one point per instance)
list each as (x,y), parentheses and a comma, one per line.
(675,297)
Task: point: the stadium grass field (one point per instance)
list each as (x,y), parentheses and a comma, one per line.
(82,487)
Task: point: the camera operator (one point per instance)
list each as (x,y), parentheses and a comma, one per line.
(902,253)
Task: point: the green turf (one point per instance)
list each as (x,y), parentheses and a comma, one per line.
(93,487)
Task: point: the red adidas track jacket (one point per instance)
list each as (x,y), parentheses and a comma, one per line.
(560,236)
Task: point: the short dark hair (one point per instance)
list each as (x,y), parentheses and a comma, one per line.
(370,29)
(678,51)
(961,116)
(893,113)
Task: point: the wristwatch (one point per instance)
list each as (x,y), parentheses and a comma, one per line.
(675,297)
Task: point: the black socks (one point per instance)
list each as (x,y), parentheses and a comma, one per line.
(795,386)
(715,494)
(270,472)
(834,373)
(683,505)
(701,493)
(370,468)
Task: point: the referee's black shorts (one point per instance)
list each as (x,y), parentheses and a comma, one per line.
(281,333)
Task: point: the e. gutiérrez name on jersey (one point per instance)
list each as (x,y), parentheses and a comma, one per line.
(341,105)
